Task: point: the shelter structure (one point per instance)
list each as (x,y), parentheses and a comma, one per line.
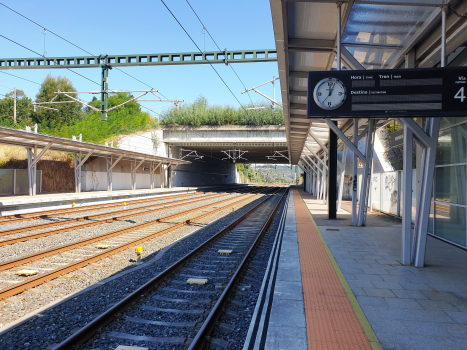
(325,35)
(82,151)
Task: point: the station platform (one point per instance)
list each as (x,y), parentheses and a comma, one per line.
(10,205)
(342,287)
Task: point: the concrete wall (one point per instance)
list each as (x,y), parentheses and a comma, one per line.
(203,172)
(94,176)
(150,142)
(225,133)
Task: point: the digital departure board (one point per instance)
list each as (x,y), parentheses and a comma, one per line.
(388,93)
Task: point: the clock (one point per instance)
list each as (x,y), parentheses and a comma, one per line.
(330,93)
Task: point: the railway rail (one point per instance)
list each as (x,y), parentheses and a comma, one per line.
(134,235)
(91,219)
(168,305)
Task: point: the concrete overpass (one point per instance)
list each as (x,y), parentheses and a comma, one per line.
(212,150)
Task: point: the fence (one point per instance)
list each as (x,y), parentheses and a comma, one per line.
(15,181)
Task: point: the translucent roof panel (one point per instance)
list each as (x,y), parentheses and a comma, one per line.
(384,25)
(372,58)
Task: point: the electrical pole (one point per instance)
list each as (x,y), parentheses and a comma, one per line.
(14,105)
(273,94)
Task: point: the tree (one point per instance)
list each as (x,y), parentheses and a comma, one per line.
(24,110)
(67,112)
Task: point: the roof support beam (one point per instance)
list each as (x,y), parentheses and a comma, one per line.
(84,160)
(344,138)
(350,60)
(316,156)
(314,137)
(115,163)
(36,159)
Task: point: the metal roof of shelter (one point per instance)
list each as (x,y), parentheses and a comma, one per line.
(376,34)
(28,139)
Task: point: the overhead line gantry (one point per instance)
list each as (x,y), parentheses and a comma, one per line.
(139,60)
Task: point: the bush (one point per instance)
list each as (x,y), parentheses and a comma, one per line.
(200,113)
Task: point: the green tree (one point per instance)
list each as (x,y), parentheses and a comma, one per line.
(67,113)
(123,120)
(24,110)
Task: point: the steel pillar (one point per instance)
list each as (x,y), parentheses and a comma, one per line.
(325,181)
(341,180)
(407,197)
(363,205)
(355,173)
(428,140)
(332,166)
(104,88)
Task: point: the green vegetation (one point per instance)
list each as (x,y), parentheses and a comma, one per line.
(71,118)
(123,120)
(24,110)
(266,173)
(201,113)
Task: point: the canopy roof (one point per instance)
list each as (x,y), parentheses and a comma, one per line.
(28,139)
(376,34)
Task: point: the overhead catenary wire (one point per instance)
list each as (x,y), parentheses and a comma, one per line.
(207,31)
(27,48)
(20,78)
(189,36)
(89,53)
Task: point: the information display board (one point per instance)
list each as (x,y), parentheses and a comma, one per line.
(388,93)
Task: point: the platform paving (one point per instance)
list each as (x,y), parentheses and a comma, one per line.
(407,307)
(311,308)
(287,325)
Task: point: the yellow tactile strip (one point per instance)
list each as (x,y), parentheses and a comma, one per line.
(331,321)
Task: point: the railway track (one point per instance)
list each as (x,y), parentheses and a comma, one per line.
(168,311)
(18,236)
(116,241)
(108,217)
(7,219)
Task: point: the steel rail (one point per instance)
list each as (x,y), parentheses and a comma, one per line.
(107,317)
(51,213)
(80,218)
(34,282)
(209,324)
(7,219)
(93,223)
(20,261)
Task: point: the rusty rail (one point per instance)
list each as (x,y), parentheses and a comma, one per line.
(93,223)
(107,317)
(16,289)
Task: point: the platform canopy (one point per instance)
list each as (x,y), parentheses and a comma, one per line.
(29,139)
(376,34)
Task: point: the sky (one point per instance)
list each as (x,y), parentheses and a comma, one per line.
(142,27)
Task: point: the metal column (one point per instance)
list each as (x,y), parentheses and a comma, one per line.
(341,180)
(332,166)
(109,173)
(355,174)
(363,205)
(407,197)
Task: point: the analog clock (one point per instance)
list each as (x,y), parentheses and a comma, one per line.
(330,93)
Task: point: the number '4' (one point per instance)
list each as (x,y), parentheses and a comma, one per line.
(460,94)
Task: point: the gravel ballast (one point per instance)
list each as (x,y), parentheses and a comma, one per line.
(53,325)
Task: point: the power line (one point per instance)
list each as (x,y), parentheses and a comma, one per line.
(46,58)
(20,78)
(30,20)
(205,57)
(207,31)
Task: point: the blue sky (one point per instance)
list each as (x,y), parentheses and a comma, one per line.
(132,27)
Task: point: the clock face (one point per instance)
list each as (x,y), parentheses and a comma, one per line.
(330,93)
